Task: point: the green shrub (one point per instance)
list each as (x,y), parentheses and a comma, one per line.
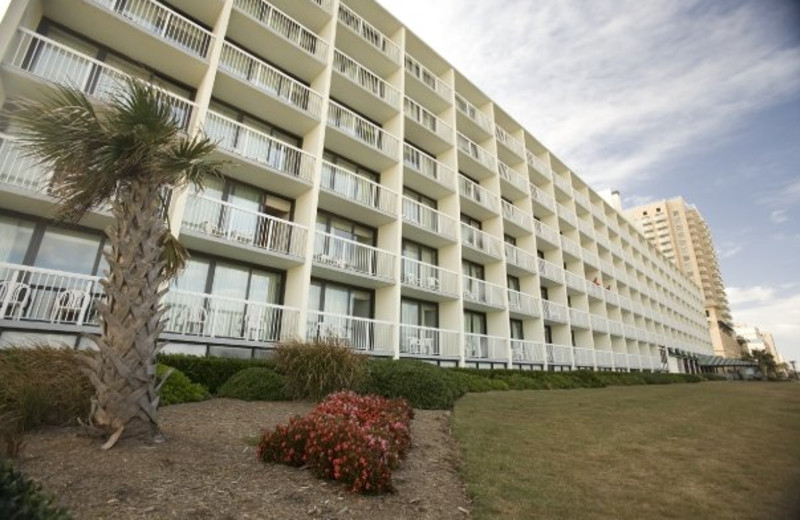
(476,383)
(179,388)
(714,377)
(621,378)
(23,499)
(211,372)
(422,384)
(255,384)
(317,368)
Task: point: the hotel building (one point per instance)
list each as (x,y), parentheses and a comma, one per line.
(371,193)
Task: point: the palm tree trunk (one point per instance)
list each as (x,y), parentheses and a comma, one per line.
(124,371)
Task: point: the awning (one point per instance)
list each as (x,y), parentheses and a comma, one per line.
(717,361)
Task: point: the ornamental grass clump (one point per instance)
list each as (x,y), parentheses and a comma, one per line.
(317,368)
(354,439)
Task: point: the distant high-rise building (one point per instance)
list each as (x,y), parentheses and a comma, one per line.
(678,230)
(756,339)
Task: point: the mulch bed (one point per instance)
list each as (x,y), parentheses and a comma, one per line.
(207,470)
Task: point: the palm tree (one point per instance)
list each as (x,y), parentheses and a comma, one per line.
(128,154)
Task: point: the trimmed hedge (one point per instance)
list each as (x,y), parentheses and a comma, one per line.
(179,388)
(22,499)
(211,372)
(255,384)
(423,385)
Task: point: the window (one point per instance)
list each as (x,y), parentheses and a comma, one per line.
(508,239)
(516,329)
(544,293)
(548,334)
(15,235)
(348,178)
(420,209)
(513,283)
(332,308)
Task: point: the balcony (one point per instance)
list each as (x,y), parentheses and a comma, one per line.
(425,174)
(599,323)
(261,160)
(33,57)
(575,282)
(586,227)
(471,120)
(314,14)
(375,148)
(21,174)
(517,222)
(476,200)
(584,357)
(380,54)
(550,271)
(263,90)
(423,126)
(348,261)
(474,160)
(520,303)
(542,202)
(482,347)
(594,290)
(546,233)
(519,262)
(362,334)
(615,328)
(427,225)
(52,301)
(372,95)
(356,197)
(513,184)
(480,246)
(268,31)
(213,225)
(561,182)
(558,354)
(556,312)
(424,85)
(429,342)
(570,247)
(429,281)
(604,358)
(538,167)
(635,361)
(527,352)
(482,294)
(578,318)
(509,144)
(164,39)
(567,215)
(620,360)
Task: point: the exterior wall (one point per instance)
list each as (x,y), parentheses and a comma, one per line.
(347,77)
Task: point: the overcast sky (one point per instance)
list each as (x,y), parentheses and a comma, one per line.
(657,99)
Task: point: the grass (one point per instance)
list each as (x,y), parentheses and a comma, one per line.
(714,450)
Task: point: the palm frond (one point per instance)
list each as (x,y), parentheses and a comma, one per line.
(173,254)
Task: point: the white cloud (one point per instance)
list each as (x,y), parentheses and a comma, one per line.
(729,249)
(786,195)
(778,216)
(616,87)
(743,295)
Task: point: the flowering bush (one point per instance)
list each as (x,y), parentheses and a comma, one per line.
(355,439)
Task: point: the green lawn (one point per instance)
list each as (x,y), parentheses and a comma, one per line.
(683,451)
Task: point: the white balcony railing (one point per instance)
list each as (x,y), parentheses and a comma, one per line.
(57,63)
(428,78)
(620,360)
(574,281)
(520,258)
(584,357)
(480,291)
(472,112)
(477,193)
(32,294)
(562,183)
(428,120)
(478,153)
(567,214)
(369,34)
(358,189)
(284,26)
(517,216)
(579,318)
(350,256)
(266,78)
(545,199)
(594,289)
(550,270)
(481,241)
(537,164)
(511,175)
(370,134)
(428,218)
(428,166)
(430,277)
(527,351)
(509,142)
(251,144)
(429,342)
(558,354)
(222,220)
(163,23)
(481,346)
(366,79)
(361,334)
(599,324)
(546,232)
(604,358)
(571,246)
(19,170)
(523,303)
(614,327)
(554,311)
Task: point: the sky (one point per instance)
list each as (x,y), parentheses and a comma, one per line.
(657,99)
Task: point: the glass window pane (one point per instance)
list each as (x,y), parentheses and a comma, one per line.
(15,236)
(193,277)
(265,287)
(68,250)
(230,281)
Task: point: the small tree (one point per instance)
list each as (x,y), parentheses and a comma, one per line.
(128,153)
(766,362)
